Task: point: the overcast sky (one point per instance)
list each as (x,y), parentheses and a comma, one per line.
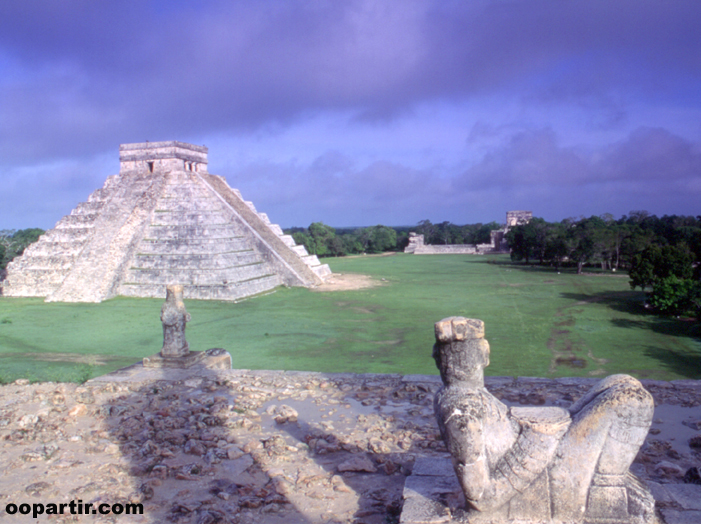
(356,113)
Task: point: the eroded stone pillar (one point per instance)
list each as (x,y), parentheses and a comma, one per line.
(174,318)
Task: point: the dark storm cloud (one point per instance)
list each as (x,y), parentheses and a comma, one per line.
(81,76)
(566,107)
(650,169)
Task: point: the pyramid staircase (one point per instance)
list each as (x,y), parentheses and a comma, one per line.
(162,220)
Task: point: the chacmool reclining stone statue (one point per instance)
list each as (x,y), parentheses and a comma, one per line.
(544,464)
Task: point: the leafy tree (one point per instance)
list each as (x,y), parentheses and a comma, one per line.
(15,242)
(351,244)
(556,245)
(483,233)
(427,229)
(673,295)
(581,243)
(528,240)
(322,236)
(656,263)
(382,238)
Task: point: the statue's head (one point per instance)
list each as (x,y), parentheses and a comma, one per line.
(174,293)
(461,351)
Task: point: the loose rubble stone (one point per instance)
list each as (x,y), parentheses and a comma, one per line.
(129,444)
(669,469)
(357,464)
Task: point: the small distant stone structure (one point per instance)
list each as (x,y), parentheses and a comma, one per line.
(513,219)
(543,464)
(518,218)
(416,241)
(497,245)
(162,219)
(175,352)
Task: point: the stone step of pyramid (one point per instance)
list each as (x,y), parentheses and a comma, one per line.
(86,208)
(192,246)
(195,261)
(46,279)
(278,231)
(65,234)
(156,232)
(99,195)
(300,250)
(47,262)
(77,220)
(323,270)
(311,260)
(48,248)
(228,292)
(33,288)
(287,239)
(174,218)
(202,276)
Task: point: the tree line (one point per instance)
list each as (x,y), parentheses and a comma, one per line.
(326,241)
(661,254)
(13,243)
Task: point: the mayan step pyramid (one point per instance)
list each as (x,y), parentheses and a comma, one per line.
(162,220)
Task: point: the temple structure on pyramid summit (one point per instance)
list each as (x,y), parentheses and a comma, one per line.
(162,220)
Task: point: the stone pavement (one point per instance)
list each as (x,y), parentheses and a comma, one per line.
(240,446)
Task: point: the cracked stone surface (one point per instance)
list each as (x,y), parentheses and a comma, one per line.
(264,446)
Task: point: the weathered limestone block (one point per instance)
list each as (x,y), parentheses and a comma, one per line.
(174,318)
(175,352)
(538,465)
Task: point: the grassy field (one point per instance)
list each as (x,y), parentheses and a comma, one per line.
(538,322)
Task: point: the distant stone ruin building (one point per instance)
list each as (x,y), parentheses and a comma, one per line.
(498,242)
(162,220)
(517,218)
(417,247)
(513,219)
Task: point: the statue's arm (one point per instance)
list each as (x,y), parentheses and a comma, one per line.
(171,317)
(516,470)
(472,468)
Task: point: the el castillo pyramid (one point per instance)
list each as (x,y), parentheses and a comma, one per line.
(162,220)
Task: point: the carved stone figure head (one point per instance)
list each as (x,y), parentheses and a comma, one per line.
(174,293)
(461,351)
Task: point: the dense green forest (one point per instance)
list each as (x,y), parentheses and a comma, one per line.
(13,242)
(661,254)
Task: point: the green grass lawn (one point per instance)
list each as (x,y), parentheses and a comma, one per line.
(538,322)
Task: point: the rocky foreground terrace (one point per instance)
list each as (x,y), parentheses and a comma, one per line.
(210,446)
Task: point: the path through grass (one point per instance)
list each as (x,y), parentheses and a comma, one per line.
(538,322)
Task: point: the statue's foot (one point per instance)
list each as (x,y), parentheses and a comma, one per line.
(619,499)
(641,503)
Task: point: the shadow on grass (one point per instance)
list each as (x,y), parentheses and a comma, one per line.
(685,363)
(535,266)
(631,302)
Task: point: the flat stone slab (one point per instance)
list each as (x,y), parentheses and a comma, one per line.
(442,467)
(672,516)
(186,361)
(432,495)
(688,496)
